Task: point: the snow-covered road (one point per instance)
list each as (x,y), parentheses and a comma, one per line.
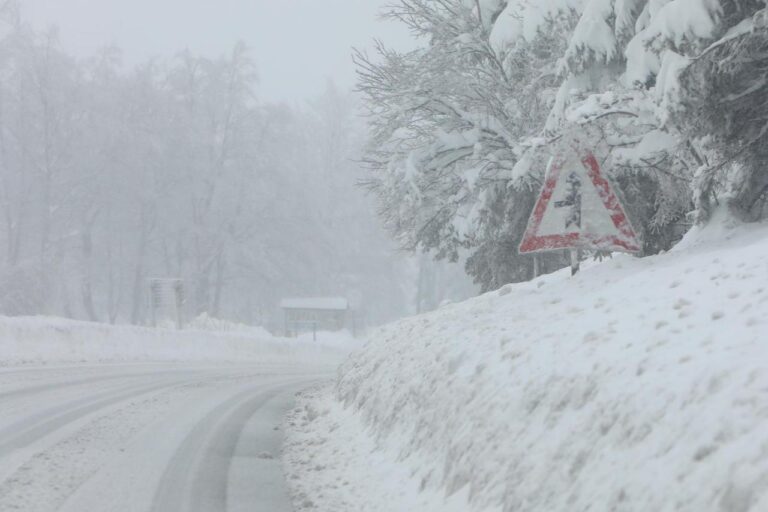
(145,437)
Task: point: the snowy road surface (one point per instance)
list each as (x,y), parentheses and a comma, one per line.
(144,437)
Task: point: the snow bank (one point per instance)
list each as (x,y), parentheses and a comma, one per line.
(39,340)
(206,322)
(639,385)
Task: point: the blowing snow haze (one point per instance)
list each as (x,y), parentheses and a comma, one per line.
(297,45)
(217,143)
(384,255)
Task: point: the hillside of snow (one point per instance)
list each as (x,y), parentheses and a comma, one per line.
(638,385)
(47,340)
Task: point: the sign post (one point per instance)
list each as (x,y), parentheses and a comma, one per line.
(576,210)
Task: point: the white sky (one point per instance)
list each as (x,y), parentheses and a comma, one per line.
(298,44)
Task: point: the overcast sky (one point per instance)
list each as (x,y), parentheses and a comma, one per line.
(298,44)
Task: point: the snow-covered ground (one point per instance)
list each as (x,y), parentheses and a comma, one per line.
(638,385)
(97,417)
(140,437)
(43,340)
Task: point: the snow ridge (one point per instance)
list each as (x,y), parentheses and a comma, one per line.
(641,384)
(47,340)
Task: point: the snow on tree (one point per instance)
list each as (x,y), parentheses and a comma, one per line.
(449,122)
(620,76)
(722,108)
(463,127)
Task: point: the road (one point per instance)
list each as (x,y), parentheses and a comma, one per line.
(145,438)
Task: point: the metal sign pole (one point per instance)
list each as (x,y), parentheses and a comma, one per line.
(575,263)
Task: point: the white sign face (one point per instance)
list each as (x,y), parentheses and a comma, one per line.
(578,208)
(575,206)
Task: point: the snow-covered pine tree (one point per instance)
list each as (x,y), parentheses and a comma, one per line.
(604,90)
(675,69)
(724,106)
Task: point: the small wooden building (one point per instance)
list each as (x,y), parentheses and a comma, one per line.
(314,314)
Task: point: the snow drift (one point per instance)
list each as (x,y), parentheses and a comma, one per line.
(639,385)
(40,340)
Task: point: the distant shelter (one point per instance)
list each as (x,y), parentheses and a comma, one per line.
(311,314)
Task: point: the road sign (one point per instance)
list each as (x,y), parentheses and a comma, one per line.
(166,300)
(578,209)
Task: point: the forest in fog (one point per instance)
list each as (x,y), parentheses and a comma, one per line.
(175,168)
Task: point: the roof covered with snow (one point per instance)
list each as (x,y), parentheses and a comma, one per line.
(325,303)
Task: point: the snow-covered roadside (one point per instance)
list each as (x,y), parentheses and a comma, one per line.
(639,385)
(333,463)
(44,340)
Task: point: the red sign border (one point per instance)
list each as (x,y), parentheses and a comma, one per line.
(533,243)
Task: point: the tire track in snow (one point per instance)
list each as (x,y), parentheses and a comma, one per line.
(39,389)
(35,427)
(56,446)
(46,476)
(197,477)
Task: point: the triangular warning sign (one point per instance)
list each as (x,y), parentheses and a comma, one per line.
(578,208)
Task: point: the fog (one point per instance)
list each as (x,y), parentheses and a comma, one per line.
(216,145)
(297,45)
